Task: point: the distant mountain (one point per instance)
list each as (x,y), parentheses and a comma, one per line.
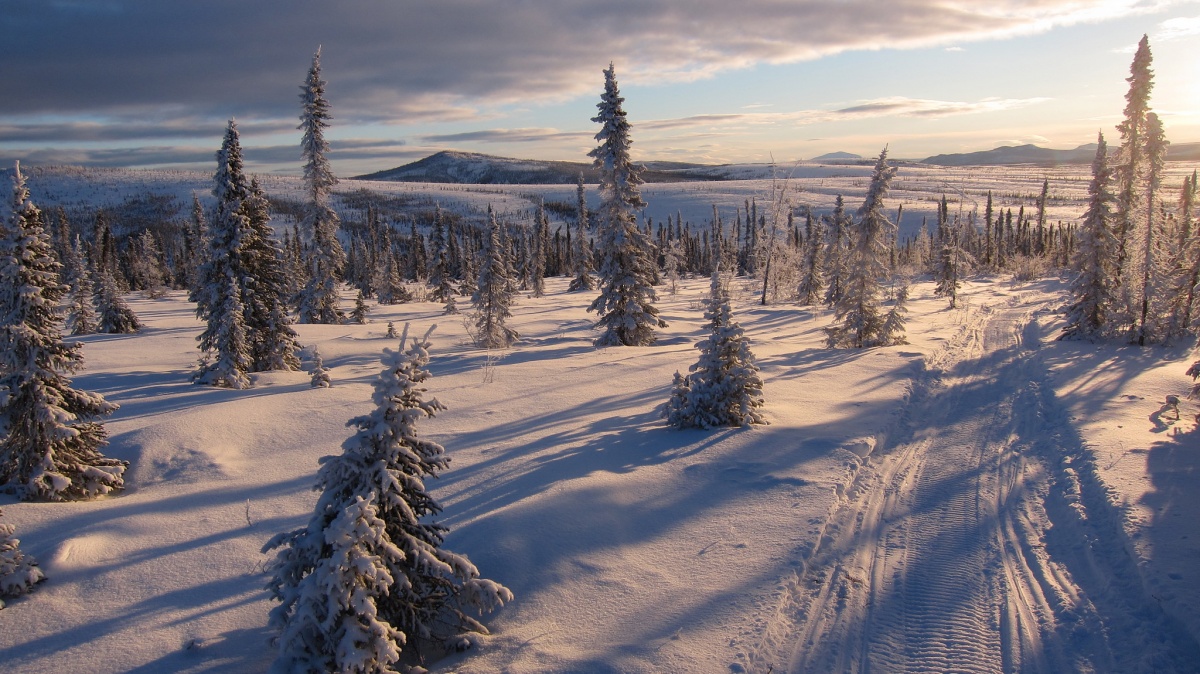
(482,169)
(1032,154)
(838,156)
(1020,154)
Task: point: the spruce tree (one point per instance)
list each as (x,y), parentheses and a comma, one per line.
(319,298)
(857,321)
(540,236)
(812,280)
(836,255)
(1093,288)
(81,312)
(723,387)
(115,316)
(582,255)
(493,295)
(226,359)
(1130,171)
(263,287)
(368,579)
(626,303)
(18,571)
(51,443)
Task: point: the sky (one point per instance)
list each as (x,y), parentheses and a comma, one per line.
(151,84)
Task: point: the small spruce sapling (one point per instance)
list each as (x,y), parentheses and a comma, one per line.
(18,571)
(319,373)
(368,579)
(723,388)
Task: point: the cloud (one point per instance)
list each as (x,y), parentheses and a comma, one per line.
(508,136)
(395,61)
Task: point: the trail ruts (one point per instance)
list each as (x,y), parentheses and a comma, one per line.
(942,556)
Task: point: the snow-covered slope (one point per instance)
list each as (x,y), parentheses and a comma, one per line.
(634,548)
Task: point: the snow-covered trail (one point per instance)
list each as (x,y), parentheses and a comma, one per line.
(939,558)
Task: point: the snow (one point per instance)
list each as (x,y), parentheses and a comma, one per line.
(631,547)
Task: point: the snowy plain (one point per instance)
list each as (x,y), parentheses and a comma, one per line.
(634,548)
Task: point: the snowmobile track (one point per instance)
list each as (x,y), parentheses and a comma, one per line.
(938,561)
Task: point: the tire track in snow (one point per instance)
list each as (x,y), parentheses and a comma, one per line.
(927,566)
(983,541)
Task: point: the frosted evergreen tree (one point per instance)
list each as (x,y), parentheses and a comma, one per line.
(1189,277)
(723,388)
(953,262)
(319,298)
(18,571)
(857,319)
(1130,171)
(626,303)
(439,269)
(81,310)
(263,288)
(894,321)
(368,579)
(319,373)
(493,295)
(836,254)
(50,446)
(359,315)
(812,279)
(673,260)
(115,316)
(389,287)
(1093,288)
(225,345)
(147,268)
(537,256)
(582,255)
(1156,250)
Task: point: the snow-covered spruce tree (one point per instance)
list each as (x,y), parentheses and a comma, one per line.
(18,572)
(263,288)
(857,321)
(493,295)
(81,310)
(319,373)
(1130,170)
(582,255)
(319,298)
(626,303)
(836,255)
(723,387)
(51,442)
(368,580)
(1092,290)
(224,344)
(115,316)
(673,261)
(147,266)
(1189,278)
(812,279)
(539,236)
(359,315)
(953,261)
(1157,253)
(439,267)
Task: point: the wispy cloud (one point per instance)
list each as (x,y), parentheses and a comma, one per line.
(508,136)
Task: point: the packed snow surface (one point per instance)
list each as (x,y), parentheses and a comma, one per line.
(984,498)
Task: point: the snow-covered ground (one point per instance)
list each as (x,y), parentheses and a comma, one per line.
(984,498)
